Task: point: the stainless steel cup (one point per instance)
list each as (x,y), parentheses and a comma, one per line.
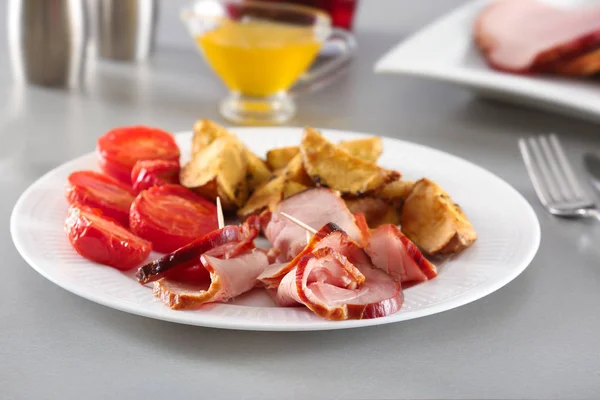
(126,28)
(47,41)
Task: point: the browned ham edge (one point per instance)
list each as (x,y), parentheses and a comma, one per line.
(228,278)
(396,255)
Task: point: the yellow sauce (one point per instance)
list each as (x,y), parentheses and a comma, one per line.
(259,58)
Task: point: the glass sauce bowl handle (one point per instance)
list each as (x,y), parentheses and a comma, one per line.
(327,68)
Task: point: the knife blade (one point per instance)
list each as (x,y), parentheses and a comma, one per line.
(592,166)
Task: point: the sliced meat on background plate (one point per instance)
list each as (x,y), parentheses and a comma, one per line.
(332,287)
(316,208)
(584,65)
(395,254)
(528,35)
(228,278)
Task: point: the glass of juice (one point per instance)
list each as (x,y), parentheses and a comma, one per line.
(260,50)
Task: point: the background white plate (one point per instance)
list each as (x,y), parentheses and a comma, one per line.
(445,51)
(508,231)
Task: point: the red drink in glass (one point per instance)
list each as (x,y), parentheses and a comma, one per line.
(341,11)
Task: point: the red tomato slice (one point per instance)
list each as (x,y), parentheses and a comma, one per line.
(96,190)
(148,173)
(171,216)
(103,240)
(119,149)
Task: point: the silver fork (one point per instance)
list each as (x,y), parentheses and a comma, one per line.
(553,178)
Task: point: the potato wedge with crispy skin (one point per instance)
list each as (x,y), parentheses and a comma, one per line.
(433,222)
(206,131)
(280,157)
(376,210)
(368,149)
(295,172)
(257,172)
(290,188)
(285,183)
(329,166)
(219,169)
(265,196)
(396,192)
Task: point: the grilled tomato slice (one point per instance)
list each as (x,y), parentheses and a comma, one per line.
(101,239)
(171,216)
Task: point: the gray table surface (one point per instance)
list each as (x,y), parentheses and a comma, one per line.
(538,337)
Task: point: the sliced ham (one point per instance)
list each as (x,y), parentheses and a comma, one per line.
(329,235)
(316,208)
(395,254)
(228,278)
(529,35)
(229,241)
(332,287)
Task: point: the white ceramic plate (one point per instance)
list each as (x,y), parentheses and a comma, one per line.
(445,51)
(508,231)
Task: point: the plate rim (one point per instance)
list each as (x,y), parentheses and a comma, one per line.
(475,293)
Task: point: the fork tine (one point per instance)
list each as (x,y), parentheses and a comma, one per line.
(534,174)
(567,168)
(541,164)
(557,173)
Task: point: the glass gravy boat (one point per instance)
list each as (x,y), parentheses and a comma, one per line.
(261,50)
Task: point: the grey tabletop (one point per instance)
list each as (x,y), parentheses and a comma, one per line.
(538,337)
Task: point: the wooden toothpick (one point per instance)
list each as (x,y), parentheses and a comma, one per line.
(299,223)
(220,218)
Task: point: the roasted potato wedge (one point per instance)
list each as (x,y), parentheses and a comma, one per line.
(265,196)
(329,166)
(206,131)
(219,169)
(295,172)
(376,210)
(257,172)
(283,184)
(280,157)
(290,188)
(433,222)
(396,192)
(368,149)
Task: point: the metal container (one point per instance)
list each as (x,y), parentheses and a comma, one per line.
(47,41)
(126,28)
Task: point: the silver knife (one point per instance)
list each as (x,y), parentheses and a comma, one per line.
(592,165)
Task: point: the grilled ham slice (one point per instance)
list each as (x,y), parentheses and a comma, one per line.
(314,207)
(332,287)
(330,235)
(395,254)
(228,278)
